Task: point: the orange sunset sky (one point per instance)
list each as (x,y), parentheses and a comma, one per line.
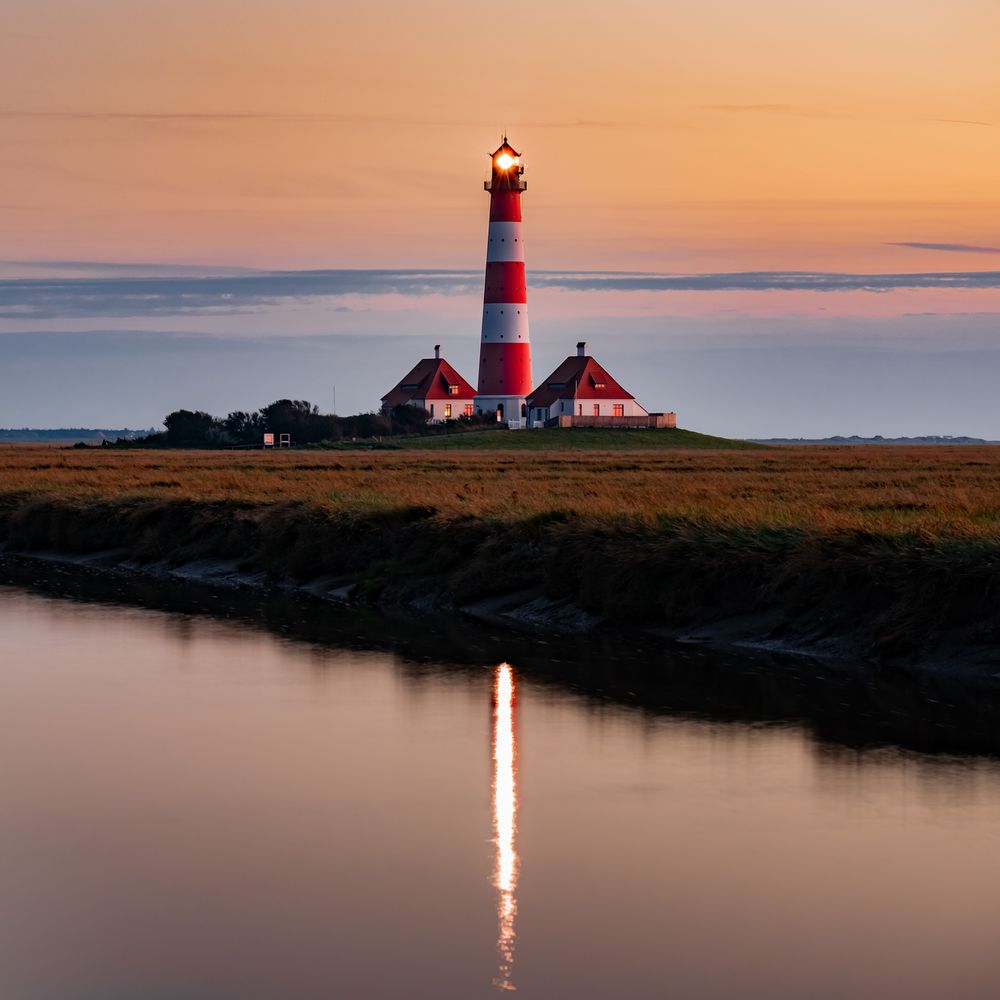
(683,136)
(674,137)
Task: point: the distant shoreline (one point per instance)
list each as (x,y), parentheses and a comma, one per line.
(67,435)
(927,439)
(96,435)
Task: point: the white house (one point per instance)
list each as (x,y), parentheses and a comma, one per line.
(582,389)
(433,385)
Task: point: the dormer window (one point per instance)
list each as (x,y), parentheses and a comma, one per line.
(452,390)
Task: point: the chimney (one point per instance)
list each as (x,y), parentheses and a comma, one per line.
(581,349)
(437,351)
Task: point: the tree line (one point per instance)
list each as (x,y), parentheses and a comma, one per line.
(296,417)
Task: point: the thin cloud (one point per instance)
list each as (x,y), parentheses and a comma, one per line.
(582,123)
(773,109)
(945,247)
(791,110)
(208,293)
(167,117)
(797,111)
(959,121)
(110,269)
(764,281)
(204,116)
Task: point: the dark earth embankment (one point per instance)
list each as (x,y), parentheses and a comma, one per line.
(849,707)
(886,599)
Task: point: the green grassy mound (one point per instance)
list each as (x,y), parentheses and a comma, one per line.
(575,438)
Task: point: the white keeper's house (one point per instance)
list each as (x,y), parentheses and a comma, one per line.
(581,393)
(433,385)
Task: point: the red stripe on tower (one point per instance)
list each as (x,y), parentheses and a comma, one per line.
(505,348)
(505,282)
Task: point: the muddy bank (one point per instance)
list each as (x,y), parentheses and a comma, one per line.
(886,601)
(847,707)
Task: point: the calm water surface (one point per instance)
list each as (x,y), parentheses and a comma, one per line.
(197,809)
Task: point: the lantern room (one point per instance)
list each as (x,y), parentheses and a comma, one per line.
(507,169)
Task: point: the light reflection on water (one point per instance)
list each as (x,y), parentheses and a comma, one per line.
(505,821)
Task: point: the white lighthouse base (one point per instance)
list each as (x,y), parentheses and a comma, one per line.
(509,410)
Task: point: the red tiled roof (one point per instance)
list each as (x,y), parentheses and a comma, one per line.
(431,378)
(577,378)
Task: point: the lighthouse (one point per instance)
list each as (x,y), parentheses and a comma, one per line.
(505,349)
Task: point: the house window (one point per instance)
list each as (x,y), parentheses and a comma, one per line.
(581,410)
(619,409)
(452,390)
(597,409)
(447,411)
(432,409)
(468,409)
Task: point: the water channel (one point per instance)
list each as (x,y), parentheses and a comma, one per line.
(201,807)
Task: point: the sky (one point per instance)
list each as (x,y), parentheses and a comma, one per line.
(774,218)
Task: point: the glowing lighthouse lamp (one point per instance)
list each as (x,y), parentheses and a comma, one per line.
(505,348)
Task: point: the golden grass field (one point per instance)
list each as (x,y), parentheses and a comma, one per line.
(948,491)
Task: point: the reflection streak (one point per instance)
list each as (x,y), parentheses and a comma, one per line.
(505,821)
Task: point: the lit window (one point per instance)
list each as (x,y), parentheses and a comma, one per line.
(447,411)
(619,409)
(468,409)
(597,409)
(452,390)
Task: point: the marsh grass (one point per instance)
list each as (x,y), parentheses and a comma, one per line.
(940,492)
(898,547)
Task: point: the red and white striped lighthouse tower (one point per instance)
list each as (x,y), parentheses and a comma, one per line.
(505,349)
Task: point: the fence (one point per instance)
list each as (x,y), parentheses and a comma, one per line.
(655,420)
